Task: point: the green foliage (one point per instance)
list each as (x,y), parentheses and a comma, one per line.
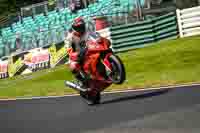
(12,6)
(51,2)
(181,4)
(7,6)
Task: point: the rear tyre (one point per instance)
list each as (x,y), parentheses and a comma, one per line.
(97,98)
(91,100)
(118,74)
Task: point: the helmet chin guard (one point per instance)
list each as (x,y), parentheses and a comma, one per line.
(79,25)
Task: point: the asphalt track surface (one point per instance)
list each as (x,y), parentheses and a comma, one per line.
(164,111)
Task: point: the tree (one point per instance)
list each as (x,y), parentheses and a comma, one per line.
(186,3)
(7,6)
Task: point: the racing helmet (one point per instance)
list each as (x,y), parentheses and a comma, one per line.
(78,25)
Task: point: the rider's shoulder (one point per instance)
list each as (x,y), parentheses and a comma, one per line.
(68,38)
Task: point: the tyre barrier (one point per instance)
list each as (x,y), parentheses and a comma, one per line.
(3,75)
(39,66)
(32,60)
(3,69)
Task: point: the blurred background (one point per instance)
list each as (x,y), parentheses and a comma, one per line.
(10,10)
(31,24)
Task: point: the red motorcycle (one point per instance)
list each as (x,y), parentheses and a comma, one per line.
(102,67)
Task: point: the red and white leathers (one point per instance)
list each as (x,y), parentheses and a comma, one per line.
(75,45)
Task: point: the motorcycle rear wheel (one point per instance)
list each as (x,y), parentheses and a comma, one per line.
(91,100)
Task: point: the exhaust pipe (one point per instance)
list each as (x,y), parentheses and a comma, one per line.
(74,86)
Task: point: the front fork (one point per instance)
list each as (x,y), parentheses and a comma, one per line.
(106,63)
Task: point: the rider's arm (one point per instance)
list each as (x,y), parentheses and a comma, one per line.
(76,44)
(68,41)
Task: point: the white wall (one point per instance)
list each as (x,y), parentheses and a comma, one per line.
(189,21)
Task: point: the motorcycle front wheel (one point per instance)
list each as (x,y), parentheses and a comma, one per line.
(118,74)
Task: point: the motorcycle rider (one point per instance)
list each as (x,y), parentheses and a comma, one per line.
(75,43)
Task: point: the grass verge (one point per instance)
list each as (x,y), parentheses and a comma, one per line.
(167,63)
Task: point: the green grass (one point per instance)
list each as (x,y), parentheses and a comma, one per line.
(169,63)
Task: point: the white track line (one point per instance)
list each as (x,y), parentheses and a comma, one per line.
(108,92)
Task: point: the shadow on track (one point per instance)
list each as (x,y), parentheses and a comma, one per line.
(139,96)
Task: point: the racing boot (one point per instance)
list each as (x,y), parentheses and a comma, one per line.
(81,80)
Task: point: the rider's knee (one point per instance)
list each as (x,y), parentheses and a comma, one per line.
(74,66)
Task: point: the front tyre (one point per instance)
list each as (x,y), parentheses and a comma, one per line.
(118,74)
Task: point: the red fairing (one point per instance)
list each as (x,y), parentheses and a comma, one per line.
(98,45)
(94,48)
